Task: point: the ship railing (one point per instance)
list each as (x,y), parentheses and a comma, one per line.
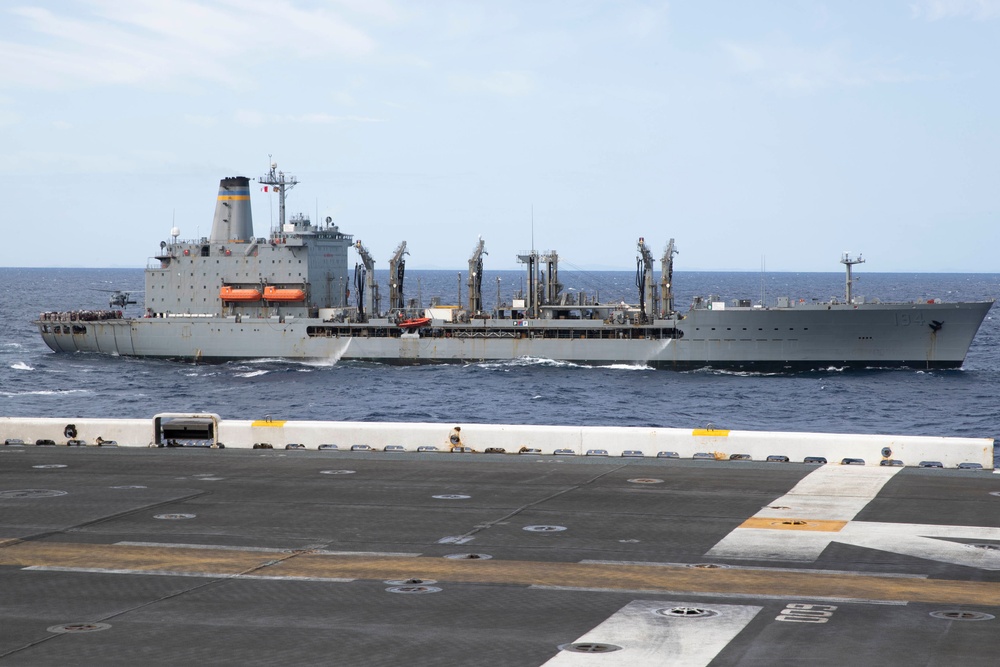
(81,316)
(478,333)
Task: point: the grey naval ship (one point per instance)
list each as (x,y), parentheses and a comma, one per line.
(233,295)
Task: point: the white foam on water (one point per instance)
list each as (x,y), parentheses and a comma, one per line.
(250,374)
(45,392)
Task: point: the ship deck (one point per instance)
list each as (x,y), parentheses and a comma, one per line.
(173,556)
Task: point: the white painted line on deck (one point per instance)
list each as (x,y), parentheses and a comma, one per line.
(829,493)
(213,547)
(927,541)
(386,554)
(651,639)
(722,594)
(804,570)
(840,493)
(171,573)
(223,547)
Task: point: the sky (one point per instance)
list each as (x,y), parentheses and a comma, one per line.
(780,133)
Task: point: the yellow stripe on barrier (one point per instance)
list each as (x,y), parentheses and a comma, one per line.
(269,423)
(718,433)
(236,197)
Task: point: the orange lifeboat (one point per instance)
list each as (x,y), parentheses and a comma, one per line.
(283,294)
(415,323)
(227,293)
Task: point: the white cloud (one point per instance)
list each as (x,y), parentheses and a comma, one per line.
(935,10)
(157,42)
(257,119)
(506,83)
(379,9)
(200,121)
(250,118)
(646,20)
(325,118)
(62,162)
(795,69)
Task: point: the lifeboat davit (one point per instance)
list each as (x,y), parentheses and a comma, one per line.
(227,293)
(283,294)
(415,323)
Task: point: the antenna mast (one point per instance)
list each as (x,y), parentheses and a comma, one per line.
(848,262)
(282,183)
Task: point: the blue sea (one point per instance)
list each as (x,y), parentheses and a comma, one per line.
(37,382)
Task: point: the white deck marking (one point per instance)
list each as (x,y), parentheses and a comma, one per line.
(833,493)
(920,540)
(829,493)
(213,547)
(723,595)
(172,573)
(804,570)
(312,550)
(839,493)
(652,639)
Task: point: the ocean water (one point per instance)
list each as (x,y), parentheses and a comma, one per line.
(37,382)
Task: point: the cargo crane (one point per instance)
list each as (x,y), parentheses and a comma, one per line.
(364,283)
(397,266)
(667,280)
(543,283)
(476,278)
(649,300)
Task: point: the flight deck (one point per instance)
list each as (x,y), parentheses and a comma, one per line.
(165,556)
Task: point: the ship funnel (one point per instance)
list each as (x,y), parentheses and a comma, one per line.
(232,211)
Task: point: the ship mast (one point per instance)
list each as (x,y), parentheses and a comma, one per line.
(282,183)
(848,262)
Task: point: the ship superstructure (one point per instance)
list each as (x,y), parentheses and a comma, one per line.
(292,294)
(297,269)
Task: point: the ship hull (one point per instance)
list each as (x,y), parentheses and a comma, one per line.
(787,339)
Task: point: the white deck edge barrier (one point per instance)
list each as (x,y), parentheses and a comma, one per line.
(612,441)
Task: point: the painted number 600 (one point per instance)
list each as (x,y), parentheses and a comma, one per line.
(806,613)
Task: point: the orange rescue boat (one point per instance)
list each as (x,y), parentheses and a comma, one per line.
(284,294)
(415,323)
(227,293)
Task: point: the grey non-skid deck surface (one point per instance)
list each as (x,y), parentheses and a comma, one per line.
(180,556)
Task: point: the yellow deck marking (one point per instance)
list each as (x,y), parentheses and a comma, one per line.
(718,433)
(515,573)
(56,554)
(273,423)
(825,525)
